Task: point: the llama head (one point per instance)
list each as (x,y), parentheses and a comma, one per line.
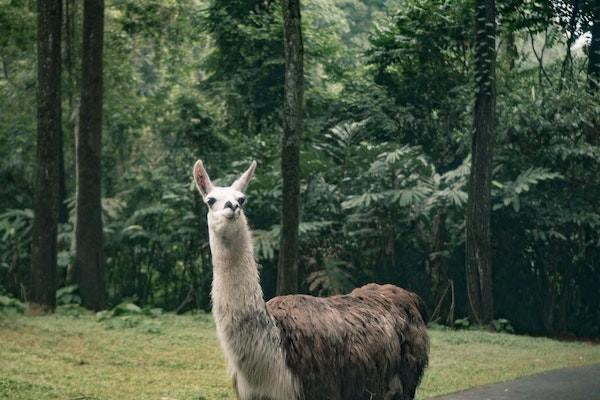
(225,213)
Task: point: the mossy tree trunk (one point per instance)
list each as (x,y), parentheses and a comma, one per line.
(594,50)
(287,270)
(67,36)
(89,258)
(478,244)
(46,189)
(592,133)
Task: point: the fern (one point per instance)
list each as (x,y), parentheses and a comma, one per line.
(340,139)
(531,177)
(266,242)
(510,191)
(363,200)
(334,278)
(410,196)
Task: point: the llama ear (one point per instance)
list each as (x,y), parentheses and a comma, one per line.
(242,182)
(202,179)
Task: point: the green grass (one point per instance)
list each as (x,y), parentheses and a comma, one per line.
(177,357)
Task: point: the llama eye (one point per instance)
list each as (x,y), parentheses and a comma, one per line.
(210,201)
(241,201)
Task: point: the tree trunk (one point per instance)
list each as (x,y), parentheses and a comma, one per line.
(594,51)
(63,212)
(478,245)
(567,65)
(436,261)
(67,32)
(592,133)
(511,50)
(43,243)
(89,259)
(287,270)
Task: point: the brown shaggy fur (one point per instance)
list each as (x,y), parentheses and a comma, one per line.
(370,344)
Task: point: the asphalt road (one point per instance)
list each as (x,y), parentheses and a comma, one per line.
(580,383)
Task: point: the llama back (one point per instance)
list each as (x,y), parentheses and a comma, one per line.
(352,346)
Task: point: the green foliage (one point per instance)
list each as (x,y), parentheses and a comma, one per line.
(422,57)
(15,235)
(17,101)
(511,191)
(553,240)
(503,325)
(125,308)
(71,310)
(246,66)
(385,152)
(462,323)
(11,306)
(335,277)
(68,295)
(127,315)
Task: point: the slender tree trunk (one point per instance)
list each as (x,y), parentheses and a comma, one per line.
(287,270)
(594,51)
(438,271)
(89,259)
(478,245)
(43,244)
(72,48)
(69,60)
(511,50)
(592,133)
(567,65)
(63,214)
(63,211)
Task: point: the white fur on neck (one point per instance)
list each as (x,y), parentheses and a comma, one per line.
(247,333)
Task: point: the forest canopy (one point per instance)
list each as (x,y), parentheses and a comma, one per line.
(385,157)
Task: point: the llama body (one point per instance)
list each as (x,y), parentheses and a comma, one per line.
(370,344)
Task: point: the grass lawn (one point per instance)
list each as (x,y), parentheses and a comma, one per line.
(177,357)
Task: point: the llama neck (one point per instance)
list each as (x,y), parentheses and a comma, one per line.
(247,332)
(236,286)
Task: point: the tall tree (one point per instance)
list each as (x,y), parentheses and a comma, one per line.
(287,269)
(67,36)
(43,246)
(594,49)
(89,258)
(478,245)
(592,133)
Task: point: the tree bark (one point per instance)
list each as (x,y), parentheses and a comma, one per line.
(67,34)
(594,51)
(511,50)
(478,244)
(592,133)
(287,270)
(436,262)
(89,258)
(43,244)
(63,212)
(567,65)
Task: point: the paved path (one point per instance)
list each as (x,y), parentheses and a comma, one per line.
(580,383)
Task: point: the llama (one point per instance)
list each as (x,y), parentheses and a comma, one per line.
(369,344)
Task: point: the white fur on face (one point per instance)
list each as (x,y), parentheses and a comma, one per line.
(224,208)
(224,203)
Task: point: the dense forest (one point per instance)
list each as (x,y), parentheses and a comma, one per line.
(448,147)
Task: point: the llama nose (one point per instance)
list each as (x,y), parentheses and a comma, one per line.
(231,205)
